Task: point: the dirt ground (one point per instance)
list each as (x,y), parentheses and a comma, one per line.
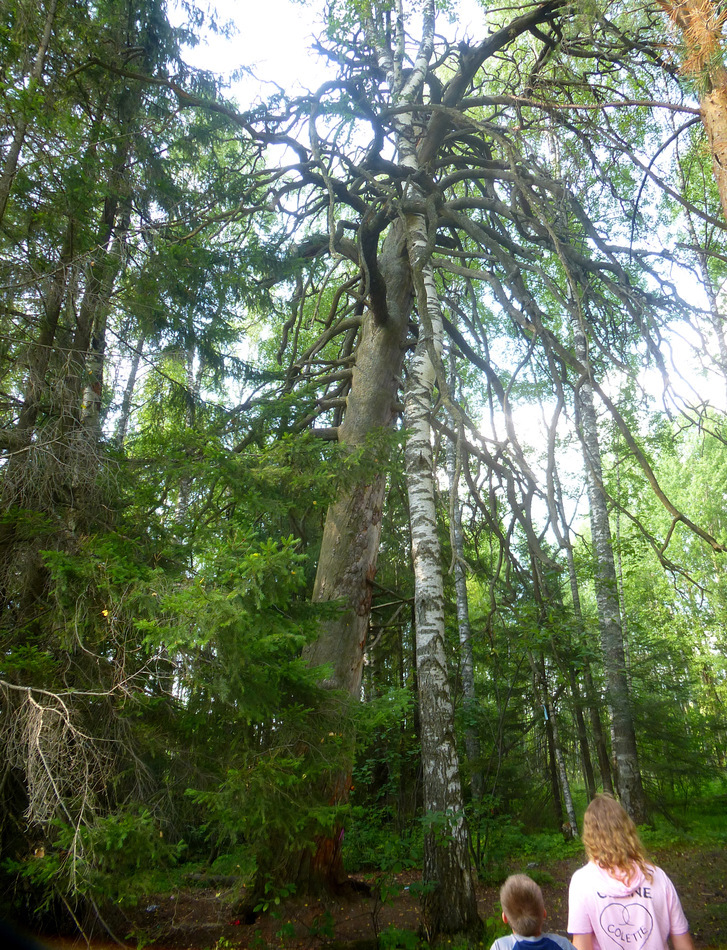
(202,917)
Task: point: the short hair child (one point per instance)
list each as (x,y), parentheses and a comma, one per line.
(523,908)
(522,904)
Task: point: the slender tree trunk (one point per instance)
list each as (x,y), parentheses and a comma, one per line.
(552,764)
(10,166)
(471,737)
(451,905)
(539,673)
(125,413)
(583,747)
(604,765)
(101,275)
(606,586)
(599,735)
(91,403)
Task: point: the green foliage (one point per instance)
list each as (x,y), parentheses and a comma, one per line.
(372,843)
(117,857)
(394,938)
(272,895)
(156,582)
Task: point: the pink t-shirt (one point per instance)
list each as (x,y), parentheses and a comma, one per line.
(639,915)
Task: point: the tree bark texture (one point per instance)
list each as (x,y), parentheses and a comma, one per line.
(450,906)
(350,545)
(347,562)
(701,24)
(466,657)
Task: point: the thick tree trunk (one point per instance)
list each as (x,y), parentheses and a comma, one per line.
(701,23)
(606,587)
(350,545)
(347,562)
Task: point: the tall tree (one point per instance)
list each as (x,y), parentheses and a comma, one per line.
(609,611)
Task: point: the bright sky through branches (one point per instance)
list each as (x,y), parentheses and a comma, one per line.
(273,39)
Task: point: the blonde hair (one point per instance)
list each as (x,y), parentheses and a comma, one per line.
(611,839)
(522,903)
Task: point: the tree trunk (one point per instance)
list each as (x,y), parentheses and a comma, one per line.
(450,906)
(552,765)
(604,760)
(606,587)
(471,737)
(21,126)
(350,545)
(122,426)
(571,825)
(589,778)
(701,23)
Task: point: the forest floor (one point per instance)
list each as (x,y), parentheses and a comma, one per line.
(203,917)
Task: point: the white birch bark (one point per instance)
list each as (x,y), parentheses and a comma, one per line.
(450,906)
(466,657)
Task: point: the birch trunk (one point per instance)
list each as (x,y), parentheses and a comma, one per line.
(606,587)
(450,906)
(466,657)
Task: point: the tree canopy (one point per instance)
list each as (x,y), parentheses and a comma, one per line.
(361,449)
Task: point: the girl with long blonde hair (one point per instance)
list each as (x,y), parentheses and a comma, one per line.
(619,899)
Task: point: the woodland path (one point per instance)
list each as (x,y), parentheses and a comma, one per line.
(200,918)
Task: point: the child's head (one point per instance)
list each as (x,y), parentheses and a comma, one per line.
(610,837)
(522,905)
